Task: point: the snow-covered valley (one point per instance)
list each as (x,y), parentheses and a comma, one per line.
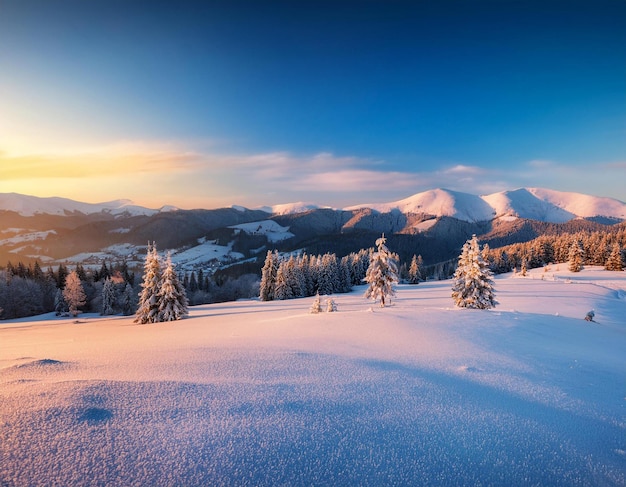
(265,393)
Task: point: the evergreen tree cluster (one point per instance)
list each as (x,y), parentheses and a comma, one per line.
(305,275)
(28,290)
(600,248)
(162,297)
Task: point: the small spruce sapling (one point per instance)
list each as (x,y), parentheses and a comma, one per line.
(316,307)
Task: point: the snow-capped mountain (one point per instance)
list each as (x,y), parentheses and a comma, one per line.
(289,208)
(439,202)
(33,205)
(530,203)
(539,204)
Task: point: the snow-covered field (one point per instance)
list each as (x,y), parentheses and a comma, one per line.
(252,393)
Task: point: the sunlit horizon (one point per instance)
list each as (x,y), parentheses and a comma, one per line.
(242,103)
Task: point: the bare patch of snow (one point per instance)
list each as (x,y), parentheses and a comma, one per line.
(206,253)
(27,237)
(272,230)
(425,225)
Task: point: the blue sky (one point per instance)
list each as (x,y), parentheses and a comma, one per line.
(205,104)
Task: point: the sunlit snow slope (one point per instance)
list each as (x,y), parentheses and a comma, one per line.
(254,393)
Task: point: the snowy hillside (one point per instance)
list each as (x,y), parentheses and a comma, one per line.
(522,203)
(265,393)
(553,206)
(582,205)
(33,205)
(269,228)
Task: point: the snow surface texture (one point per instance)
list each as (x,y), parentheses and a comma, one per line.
(266,393)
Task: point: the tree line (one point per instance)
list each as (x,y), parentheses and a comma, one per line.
(27,290)
(600,248)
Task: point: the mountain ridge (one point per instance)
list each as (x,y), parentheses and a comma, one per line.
(539,204)
(434,223)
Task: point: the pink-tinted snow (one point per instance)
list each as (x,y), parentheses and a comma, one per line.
(265,393)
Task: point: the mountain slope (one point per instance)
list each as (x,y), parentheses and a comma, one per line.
(531,203)
(439,202)
(522,203)
(33,205)
(582,205)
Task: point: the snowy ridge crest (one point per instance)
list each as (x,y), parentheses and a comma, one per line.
(531,203)
(33,205)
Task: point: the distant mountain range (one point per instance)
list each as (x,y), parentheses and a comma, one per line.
(433,223)
(531,203)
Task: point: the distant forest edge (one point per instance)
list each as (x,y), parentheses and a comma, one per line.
(26,289)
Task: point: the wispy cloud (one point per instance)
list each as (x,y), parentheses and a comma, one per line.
(461,169)
(180,173)
(616,165)
(86,162)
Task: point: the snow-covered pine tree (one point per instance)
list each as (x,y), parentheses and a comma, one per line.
(282,286)
(128,300)
(316,307)
(60,305)
(576,257)
(268,276)
(524,267)
(345,278)
(305,270)
(148,306)
(173,304)
(328,275)
(415,270)
(614,261)
(382,273)
(297,278)
(331,306)
(108,297)
(314,268)
(73,293)
(473,286)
